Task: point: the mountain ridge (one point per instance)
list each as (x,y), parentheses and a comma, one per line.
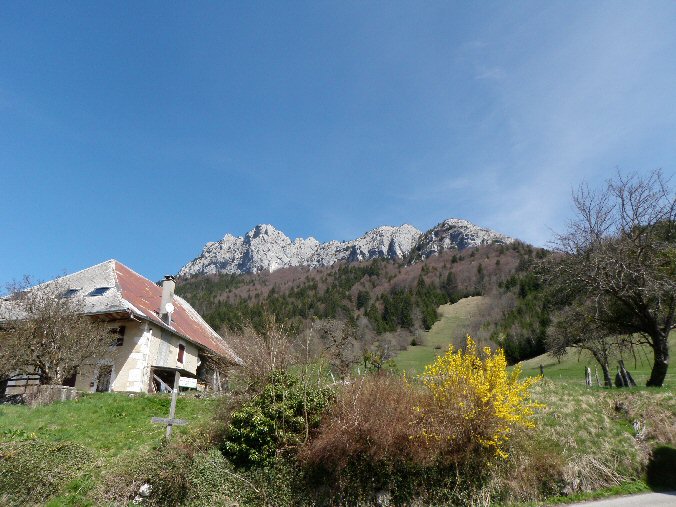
(265,248)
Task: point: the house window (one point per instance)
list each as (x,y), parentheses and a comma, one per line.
(70,293)
(118,338)
(181,353)
(99,291)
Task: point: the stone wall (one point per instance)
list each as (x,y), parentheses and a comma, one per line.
(47,394)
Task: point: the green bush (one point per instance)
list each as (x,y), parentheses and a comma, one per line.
(31,471)
(214,482)
(165,468)
(279,418)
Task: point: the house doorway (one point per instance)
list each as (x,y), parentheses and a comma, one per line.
(70,381)
(103,378)
(161,380)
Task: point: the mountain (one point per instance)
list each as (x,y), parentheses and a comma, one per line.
(265,248)
(455,234)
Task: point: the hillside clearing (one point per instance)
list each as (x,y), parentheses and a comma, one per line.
(446,331)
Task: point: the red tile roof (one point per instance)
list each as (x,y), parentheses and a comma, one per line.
(146,297)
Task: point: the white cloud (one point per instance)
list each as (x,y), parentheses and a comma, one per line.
(580,104)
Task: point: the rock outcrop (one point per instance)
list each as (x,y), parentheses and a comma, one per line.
(265,248)
(455,234)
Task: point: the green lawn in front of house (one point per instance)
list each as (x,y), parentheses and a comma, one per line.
(111,423)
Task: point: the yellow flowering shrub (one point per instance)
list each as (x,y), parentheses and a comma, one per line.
(475,399)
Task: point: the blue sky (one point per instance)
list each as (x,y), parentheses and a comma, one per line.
(141,130)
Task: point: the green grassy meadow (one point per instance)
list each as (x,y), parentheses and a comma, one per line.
(571,367)
(75,453)
(98,449)
(590,433)
(109,423)
(583,436)
(446,331)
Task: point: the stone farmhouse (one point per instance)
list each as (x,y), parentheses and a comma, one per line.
(154,333)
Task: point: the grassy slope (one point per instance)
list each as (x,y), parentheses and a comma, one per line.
(571,367)
(111,424)
(444,332)
(580,427)
(590,432)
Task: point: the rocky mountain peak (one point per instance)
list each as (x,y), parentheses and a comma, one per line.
(458,234)
(265,248)
(265,230)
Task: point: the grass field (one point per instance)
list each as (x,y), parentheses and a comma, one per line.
(74,453)
(109,423)
(446,330)
(571,367)
(592,432)
(67,453)
(98,439)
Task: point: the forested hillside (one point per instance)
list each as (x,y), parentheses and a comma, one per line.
(377,297)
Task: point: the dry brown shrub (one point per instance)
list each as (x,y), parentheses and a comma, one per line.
(263,352)
(371,419)
(379,418)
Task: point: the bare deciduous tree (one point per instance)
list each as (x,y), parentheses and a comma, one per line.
(336,342)
(263,352)
(619,262)
(45,333)
(574,327)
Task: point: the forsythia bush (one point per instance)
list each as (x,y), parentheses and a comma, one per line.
(429,438)
(475,399)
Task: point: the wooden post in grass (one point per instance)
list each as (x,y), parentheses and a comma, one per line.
(587,376)
(170,421)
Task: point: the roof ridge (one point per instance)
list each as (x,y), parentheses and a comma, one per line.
(80,270)
(118,287)
(134,272)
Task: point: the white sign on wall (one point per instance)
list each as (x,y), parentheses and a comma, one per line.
(187,382)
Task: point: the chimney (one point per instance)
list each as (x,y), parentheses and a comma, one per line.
(168,286)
